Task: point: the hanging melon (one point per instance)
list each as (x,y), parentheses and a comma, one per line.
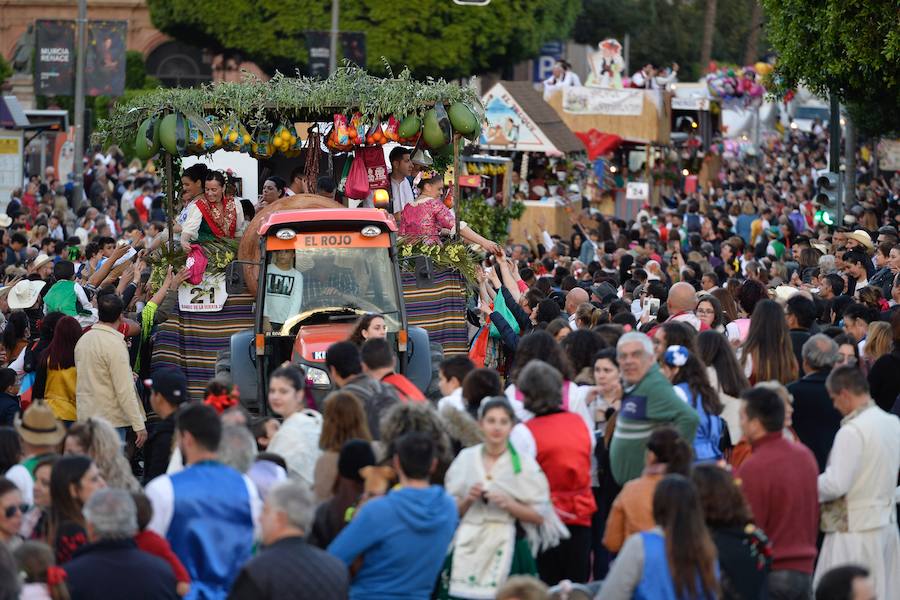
(437,131)
(462,118)
(174,133)
(409,126)
(146,143)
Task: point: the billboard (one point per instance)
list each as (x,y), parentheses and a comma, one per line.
(54,67)
(105,61)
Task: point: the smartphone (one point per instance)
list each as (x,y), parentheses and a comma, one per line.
(651,305)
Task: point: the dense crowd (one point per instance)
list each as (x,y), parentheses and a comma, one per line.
(699,402)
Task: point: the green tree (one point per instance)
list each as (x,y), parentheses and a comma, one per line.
(666,31)
(848,48)
(431,37)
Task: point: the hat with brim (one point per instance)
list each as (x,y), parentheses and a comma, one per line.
(863,238)
(5,220)
(41,260)
(25,293)
(39,426)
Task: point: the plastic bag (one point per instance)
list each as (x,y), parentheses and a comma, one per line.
(478,351)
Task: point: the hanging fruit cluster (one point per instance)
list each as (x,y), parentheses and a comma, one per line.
(181,135)
(489,169)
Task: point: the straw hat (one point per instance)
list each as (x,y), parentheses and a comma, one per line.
(39,426)
(41,260)
(25,294)
(863,238)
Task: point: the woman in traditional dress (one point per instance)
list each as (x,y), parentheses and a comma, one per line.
(495,488)
(426,216)
(213,215)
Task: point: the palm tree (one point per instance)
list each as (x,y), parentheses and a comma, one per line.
(709,28)
(751,50)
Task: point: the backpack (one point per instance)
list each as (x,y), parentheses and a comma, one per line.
(376,397)
(692,222)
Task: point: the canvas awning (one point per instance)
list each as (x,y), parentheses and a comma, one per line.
(519,120)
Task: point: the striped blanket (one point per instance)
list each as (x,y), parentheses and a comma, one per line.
(192,340)
(440,309)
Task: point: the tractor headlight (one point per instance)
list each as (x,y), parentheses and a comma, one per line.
(318,377)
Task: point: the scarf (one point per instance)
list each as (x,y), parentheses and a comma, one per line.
(221,217)
(485,539)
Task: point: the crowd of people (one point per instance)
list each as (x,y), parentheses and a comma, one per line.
(695,403)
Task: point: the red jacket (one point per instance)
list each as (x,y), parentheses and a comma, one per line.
(152,543)
(564,454)
(779,481)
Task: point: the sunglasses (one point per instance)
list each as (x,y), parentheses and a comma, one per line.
(11,510)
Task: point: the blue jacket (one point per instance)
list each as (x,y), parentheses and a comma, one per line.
(403,538)
(9,407)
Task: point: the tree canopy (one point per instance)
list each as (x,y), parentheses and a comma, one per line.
(847,47)
(431,37)
(5,69)
(666,31)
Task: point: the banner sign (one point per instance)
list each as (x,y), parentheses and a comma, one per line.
(509,127)
(11,164)
(318,44)
(691,103)
(207,296)
(54,69)
(637,190)
(603,101)
(104,73)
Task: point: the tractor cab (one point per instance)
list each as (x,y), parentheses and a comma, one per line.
(319,271)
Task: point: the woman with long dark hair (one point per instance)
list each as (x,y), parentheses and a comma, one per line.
(709,311)
(677,558)
(56,376)
(688,375)
(744,552)
(725,376)
(73,481)
(343,419)
(540,345)
(580,347)
(768,353)
(632,510)
(214,215)
(368,326)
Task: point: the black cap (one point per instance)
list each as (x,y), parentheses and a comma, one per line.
(888,230)
(355,454)
(171,384)
(604,292)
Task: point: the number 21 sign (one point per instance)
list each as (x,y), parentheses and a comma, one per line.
(207,296)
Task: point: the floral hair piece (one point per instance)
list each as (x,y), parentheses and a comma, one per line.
(676,356)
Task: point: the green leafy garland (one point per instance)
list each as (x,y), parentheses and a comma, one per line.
(489,221)
(450,255)
(220,253)
(254,102)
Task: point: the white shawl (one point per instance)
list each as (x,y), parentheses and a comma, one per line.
(485,540)
(297,442)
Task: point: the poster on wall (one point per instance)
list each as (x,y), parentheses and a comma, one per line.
(54,67)
(508,126)
(105,60)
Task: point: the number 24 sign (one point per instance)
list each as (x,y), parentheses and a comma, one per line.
(207,296)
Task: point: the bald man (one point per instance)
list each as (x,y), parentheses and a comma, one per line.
(576,297)
(681,304)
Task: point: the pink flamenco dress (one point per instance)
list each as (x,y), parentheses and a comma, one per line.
(425,218)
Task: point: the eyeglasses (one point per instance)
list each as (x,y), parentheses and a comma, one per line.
(9,511)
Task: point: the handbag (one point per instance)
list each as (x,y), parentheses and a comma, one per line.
(357,180)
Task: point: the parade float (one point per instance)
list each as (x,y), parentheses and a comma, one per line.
(337,125)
